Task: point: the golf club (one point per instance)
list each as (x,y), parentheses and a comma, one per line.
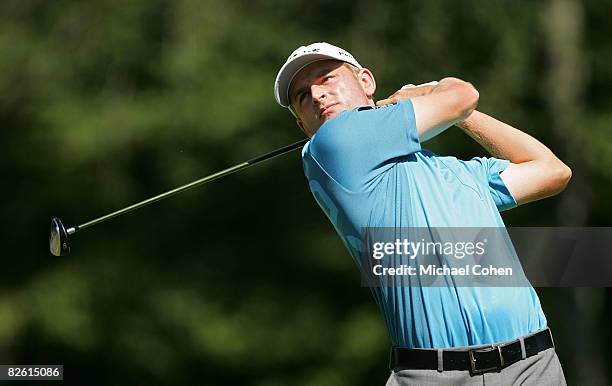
(58,234)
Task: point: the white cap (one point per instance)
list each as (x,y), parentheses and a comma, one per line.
(302,57)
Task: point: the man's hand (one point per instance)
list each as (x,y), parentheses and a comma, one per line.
(407,92)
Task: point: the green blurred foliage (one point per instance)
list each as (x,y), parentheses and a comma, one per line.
(244,281)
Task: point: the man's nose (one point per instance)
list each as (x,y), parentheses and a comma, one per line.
(318,92)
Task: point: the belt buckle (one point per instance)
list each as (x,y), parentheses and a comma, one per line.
(473,367)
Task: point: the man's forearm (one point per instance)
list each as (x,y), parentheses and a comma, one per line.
(534,173)
(503,140)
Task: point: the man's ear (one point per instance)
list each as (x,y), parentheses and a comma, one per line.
(367,82)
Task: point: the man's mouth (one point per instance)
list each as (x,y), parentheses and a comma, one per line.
(326,110)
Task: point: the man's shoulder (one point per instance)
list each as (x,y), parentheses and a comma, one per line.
(361,121)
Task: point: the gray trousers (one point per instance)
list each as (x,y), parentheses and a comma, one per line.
(541,369)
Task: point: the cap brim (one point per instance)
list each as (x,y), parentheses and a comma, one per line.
(289,71)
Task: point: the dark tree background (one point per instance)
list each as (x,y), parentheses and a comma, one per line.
(244,282)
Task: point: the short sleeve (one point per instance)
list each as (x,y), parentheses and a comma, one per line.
(361,143)
(497,188)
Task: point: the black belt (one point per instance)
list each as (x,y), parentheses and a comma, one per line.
(477,361)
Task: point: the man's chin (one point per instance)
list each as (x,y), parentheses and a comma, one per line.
(327,117)
(331,113)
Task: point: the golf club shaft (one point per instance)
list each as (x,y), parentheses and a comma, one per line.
(190,185)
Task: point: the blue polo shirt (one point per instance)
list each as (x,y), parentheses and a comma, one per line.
(366,168)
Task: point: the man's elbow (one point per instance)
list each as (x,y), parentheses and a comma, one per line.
(560,175)
(467,99)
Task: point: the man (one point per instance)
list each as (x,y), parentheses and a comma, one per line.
(366,168)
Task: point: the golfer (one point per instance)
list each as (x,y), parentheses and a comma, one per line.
(366,168)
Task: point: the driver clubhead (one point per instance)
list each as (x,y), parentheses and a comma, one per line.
(58,238)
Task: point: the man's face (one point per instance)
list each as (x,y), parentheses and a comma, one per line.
(324,89)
